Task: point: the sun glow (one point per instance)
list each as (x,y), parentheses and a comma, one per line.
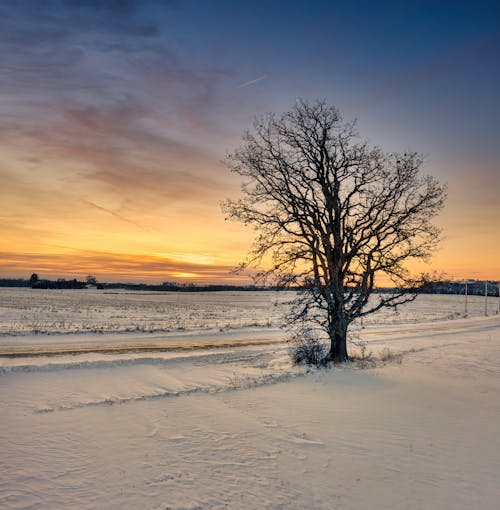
(182,274)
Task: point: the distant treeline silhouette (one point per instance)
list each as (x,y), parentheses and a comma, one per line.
(36,283)
(43,284)
(474,287)
(183,287)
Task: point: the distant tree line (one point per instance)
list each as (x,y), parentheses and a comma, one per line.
(474,287)
(13,282)
(36,283)
(183,287)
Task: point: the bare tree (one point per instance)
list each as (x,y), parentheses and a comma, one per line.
(34,279)
(91,280)
(331,213)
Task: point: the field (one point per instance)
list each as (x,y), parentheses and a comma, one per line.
(25,311)
(185,401)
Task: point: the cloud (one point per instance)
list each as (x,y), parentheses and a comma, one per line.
(91,89)
(124,150)
(112,213)
(101,116)
(44,48)
(94,53)
(251,82)
(113,267)
(125,146)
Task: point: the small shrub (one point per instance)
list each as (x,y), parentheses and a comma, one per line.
(309,351)
(240,382)
(363,358)
(386,355)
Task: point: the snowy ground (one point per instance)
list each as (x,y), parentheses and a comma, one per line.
(25,311)
(239,427)
(29,311)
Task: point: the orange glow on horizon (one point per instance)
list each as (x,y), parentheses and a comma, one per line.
(61,235)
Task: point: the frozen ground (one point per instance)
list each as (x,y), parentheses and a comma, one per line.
(27,311)
(239,427)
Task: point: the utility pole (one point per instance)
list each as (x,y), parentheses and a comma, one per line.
(465,312)
(498,310)
(486,299)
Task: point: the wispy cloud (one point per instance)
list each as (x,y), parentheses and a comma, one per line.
(92,88)
(251,82)
(112,213)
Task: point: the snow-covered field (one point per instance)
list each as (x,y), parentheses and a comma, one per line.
(27,311)
(164,420)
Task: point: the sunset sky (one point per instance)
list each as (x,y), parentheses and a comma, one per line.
(115,117)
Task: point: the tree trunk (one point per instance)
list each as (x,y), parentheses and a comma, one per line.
(338,342)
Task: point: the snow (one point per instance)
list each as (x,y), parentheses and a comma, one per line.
(25,311)
(238,426)
(35,311)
